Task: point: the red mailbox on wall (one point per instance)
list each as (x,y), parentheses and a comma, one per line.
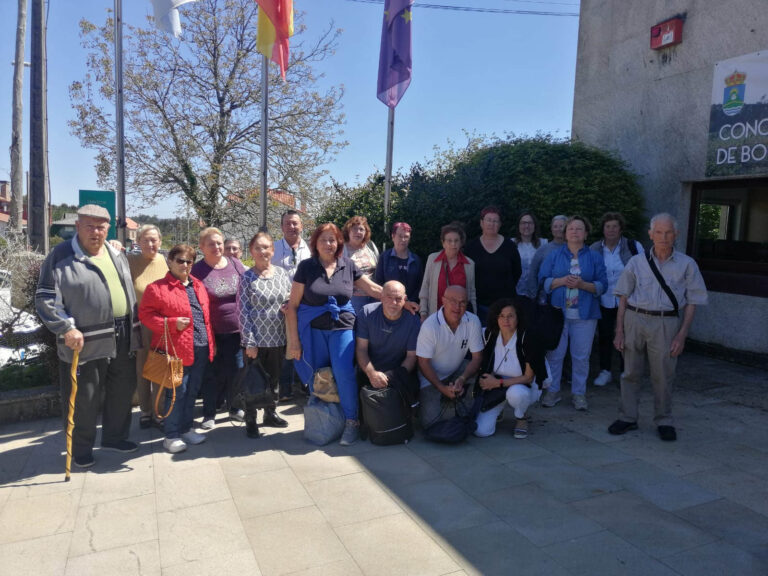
(667,33)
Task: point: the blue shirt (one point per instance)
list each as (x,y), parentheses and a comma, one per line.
(406,271)
(558,264)
(388,340)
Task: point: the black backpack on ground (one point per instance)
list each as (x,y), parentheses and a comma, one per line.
(386,415)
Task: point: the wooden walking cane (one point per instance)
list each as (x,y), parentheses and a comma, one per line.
(71,412)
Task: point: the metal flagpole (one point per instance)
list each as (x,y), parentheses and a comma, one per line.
(121,216)
(388,168)
(264,122)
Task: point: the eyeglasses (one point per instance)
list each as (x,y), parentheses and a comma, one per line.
(507,317)
(184,262)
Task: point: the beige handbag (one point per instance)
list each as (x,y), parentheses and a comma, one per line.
(164,369)
(324,385)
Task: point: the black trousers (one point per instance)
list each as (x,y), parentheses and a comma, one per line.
(106,386)
(271,359)
(606,331)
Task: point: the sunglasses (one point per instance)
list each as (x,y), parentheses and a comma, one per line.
(182,261)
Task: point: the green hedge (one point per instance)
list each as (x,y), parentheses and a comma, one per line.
(541,174)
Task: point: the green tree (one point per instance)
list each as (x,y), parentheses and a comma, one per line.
(367,200)
(192,110)
(709,221)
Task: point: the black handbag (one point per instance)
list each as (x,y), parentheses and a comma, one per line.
(252,384)
(456,429)
(547,326)
(492,398)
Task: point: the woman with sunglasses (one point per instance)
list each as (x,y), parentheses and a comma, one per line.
(180,302)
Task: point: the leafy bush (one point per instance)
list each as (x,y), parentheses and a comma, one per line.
(14,376)
(366,200)
(540,173)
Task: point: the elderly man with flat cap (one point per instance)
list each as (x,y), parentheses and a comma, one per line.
(656,288)
(85,297)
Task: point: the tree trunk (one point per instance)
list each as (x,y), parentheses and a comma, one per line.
(17,161)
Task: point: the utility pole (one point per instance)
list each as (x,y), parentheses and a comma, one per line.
(119,123)
(17,160)
(38,135)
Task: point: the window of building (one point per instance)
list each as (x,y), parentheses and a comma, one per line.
(728,235)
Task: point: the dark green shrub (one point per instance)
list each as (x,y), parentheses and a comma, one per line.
(540,173)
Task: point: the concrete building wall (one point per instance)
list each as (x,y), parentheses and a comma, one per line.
(652,108)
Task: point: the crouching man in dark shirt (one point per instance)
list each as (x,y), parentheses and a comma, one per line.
(386,342)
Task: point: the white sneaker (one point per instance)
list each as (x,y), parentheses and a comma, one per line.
(603,378)
(208,424)
(550,398)
(174,445)
(193,437)
(580,402)
(237,415)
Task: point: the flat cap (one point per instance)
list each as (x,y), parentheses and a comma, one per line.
(94,211)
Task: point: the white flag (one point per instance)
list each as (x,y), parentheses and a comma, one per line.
(167,15)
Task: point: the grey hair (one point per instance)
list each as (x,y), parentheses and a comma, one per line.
(148,228)
(664,216)
(562,217)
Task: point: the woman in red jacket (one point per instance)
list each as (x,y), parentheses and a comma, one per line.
(181,301)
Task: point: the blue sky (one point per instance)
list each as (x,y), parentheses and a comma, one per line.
(478,72)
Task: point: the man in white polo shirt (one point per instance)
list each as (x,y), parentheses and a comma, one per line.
(444,374)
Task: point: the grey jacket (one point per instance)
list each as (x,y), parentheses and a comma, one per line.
(73,293)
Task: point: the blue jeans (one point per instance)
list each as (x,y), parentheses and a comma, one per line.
(580,334)
(180,419)
(336,348)
(219,383)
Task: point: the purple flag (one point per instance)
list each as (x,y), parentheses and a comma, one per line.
(395,54)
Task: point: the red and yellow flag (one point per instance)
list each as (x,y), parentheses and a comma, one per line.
(275,27)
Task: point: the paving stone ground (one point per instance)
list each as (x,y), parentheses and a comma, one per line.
(569,500)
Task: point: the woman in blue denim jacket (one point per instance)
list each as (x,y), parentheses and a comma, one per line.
(574,277)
